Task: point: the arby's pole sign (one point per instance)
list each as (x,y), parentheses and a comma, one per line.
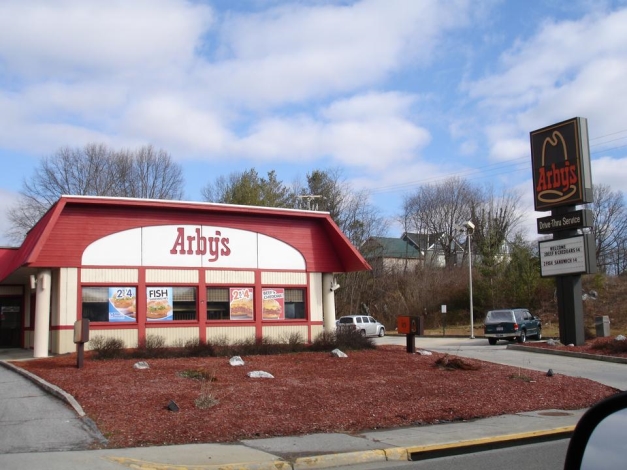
(560,161)
(560,158)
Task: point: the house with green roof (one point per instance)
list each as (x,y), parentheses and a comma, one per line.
(387,255)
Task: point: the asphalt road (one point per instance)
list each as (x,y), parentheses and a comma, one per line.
(608,373)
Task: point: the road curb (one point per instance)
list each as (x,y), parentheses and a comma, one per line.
(419,452)
(301,463)
(558,352)
(145,465)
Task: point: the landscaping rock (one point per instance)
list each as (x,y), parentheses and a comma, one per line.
(259,374)
(236,361)
(338,353)
(141,365)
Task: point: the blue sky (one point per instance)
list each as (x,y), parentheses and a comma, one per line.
(396,93)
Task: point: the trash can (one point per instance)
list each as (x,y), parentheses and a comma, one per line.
(602,325)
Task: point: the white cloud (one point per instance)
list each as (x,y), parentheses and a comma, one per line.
(371,131)
(72,39)
(173,73)
(172,121)
(294,53)
(566,69)
(610,171)
(553,58)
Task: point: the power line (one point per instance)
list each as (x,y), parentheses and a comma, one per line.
(518,164)
(608,135)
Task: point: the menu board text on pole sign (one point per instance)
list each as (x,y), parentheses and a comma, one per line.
(564,256)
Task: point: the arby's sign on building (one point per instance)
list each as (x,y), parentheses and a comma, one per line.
(198,246)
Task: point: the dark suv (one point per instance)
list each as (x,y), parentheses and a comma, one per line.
(510,324)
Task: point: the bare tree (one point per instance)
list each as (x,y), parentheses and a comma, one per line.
(495,218)
(441,209)
(94,170)
(149,174)
(609,228)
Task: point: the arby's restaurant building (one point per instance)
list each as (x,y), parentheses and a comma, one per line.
(179,270)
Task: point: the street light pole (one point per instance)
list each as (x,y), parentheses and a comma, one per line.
(472,327)
(470,228)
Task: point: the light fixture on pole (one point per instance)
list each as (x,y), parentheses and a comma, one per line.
(470,228)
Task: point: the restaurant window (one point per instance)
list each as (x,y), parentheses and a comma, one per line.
(230,303)
(171,303)
(185,303)
(295,304)
(109,304)
(218,303)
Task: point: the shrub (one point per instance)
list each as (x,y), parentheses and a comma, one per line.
(107,348)
(455,363)
(352,339)
(154,346)
(254,347)
(610,346)
(198,374)
(220,345)
(325,341)
(196,348)
(294,342)
(344,340)
(206,399)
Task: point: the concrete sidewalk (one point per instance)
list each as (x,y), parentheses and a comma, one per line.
(299,452)
(316,450)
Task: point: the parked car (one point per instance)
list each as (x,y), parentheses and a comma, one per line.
(365,324)
(511,324)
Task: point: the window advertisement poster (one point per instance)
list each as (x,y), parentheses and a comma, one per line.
(122,304)
(273,304)
(241,303)
(159,301)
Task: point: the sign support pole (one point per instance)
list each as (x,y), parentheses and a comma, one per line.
(569,292)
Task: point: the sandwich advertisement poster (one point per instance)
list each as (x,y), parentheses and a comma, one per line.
(241,303)
(122,304)
(159,302)
(273,304)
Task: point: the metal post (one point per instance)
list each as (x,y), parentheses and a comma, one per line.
(472,327)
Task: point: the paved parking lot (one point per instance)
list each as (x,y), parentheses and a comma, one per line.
(32,420)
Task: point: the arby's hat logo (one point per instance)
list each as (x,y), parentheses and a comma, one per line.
(557,165)
(557,182)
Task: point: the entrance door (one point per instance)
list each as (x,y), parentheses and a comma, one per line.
(10,322)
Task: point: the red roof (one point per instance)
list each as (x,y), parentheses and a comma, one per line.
(73,222)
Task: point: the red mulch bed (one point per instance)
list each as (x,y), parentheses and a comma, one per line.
(311,393)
